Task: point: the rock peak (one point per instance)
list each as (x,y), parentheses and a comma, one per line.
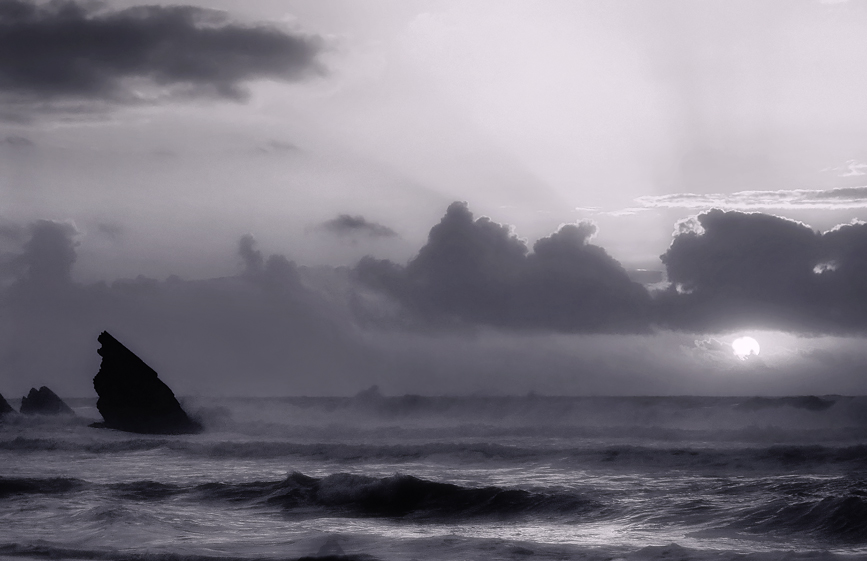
(44,402)
(5,408)
(132,397)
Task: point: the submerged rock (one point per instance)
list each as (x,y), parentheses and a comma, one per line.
(5,408)
(132,397)
(44,402)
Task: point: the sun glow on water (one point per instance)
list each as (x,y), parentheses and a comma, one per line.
(744,347)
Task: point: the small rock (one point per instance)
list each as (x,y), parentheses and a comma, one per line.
(5,408)
(44,402)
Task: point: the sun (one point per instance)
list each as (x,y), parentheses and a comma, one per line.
(744,347)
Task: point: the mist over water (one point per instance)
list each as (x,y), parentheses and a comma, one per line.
(415,477)
(474,199)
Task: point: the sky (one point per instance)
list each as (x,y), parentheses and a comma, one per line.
(437,197)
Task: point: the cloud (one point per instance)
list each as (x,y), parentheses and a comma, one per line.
(646,276)
(276,272)
(16,141)
(477,272)
(110,230)
(282,329)
(254,263)
(727,270)
(70,52)
(853,168)
(347,225)
(199,334)
(795,199)
(11,231)
(734,270)
(49,254)
(712,345)
(277,147)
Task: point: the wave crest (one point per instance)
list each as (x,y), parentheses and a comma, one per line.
(408,496)
(11,486)
(841,518)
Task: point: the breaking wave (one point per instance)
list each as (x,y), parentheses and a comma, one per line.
(834,514)
(408,496)
(396,496)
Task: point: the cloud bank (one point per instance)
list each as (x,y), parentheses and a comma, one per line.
(734,270)
(727,270)
(264,323)
(478,272)
(475,310)
(69,52)
(794,199)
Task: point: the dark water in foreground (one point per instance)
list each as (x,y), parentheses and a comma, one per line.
(445,478)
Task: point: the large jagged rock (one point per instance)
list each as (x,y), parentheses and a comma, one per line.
(5,408)
(132,397)
(44,402)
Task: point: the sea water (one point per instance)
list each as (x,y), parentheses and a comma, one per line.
(445,478)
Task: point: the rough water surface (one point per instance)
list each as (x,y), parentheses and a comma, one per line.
(445,478)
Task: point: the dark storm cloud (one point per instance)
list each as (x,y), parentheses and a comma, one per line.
(734,269)
(66,50)
(346,224)
(479,272)
(728,270)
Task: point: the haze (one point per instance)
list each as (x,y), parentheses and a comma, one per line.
(305,197)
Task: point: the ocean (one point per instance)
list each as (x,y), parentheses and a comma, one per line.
(445,478)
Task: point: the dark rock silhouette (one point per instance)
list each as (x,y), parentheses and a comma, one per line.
(5,408)
(132,397)
(44,402)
